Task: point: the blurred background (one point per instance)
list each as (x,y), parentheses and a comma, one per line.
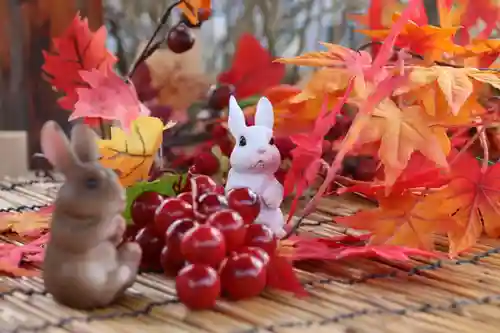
(284,27)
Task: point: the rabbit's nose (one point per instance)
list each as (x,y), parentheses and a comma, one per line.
(261,150)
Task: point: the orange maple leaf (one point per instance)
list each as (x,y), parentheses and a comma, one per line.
(428,41)
(487,51)
(472,199)
(401,219)
(402,132)
(191,8)
(25,222)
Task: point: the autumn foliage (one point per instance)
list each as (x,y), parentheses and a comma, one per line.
(414,98)
(423,102)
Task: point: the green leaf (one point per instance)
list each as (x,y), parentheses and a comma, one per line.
(164,186)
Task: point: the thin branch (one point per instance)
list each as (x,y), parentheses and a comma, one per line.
(146,51)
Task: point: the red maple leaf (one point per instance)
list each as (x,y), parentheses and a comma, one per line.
(77,49)
(419,173)
(306,157)
(253,69)
(337,247)
(280,275)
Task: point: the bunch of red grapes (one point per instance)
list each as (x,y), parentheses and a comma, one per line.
(208,240)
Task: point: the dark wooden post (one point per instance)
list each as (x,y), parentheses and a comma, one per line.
(26,29)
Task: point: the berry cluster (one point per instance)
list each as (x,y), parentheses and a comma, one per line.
(207,239)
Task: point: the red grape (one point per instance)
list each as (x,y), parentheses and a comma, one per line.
(206,163)
(208,203)
(151,246)
(204,244)
(245,202)
(170,210)
(187,197)
(202,184)
(257,252)
(259,235)
(180,38)
(219,99)
(143,208)
(171,257)
(366,169)
(198,286)
(130,232)
(232,227)
(242,276)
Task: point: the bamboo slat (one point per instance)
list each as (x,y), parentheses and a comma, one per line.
(348,296)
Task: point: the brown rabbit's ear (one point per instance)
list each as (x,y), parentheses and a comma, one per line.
(83,141)
(56,147)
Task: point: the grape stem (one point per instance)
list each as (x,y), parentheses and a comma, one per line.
(151,46)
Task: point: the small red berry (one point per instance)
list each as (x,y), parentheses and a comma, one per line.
(204,244)
(180,38)
(206,163)
(285,146)
(171,258)
(231,225)
(242,276)
(143,208)
(170,210)
(259,235)
(219,99)
(245,202)
(198,286)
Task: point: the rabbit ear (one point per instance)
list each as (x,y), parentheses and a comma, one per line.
(264,116)
(83,141)
(236,119)
(56,147)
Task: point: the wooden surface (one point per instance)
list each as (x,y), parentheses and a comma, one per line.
(350,296)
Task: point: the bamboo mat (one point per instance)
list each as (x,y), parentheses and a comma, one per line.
(349,296)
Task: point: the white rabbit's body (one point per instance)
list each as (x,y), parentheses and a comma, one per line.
(254,161)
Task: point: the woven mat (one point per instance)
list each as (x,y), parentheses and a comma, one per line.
(350,296)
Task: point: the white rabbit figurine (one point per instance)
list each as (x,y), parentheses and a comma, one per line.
(255,159)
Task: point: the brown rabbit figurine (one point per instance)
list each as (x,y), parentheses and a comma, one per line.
(84,267)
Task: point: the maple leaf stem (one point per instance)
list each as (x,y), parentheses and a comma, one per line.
(486,151)
(148,49)
(419,56)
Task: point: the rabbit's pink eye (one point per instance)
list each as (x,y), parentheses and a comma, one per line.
(271,142)
(243,141)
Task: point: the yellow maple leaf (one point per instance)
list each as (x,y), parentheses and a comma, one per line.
(131,155)
(491,78)
(191,8)
(24,222)
(454,83)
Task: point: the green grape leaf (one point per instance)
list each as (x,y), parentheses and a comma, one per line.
(165,185)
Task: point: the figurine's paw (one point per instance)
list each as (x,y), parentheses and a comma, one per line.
(272,197)
(118,228)
(280,233)
(130,253)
